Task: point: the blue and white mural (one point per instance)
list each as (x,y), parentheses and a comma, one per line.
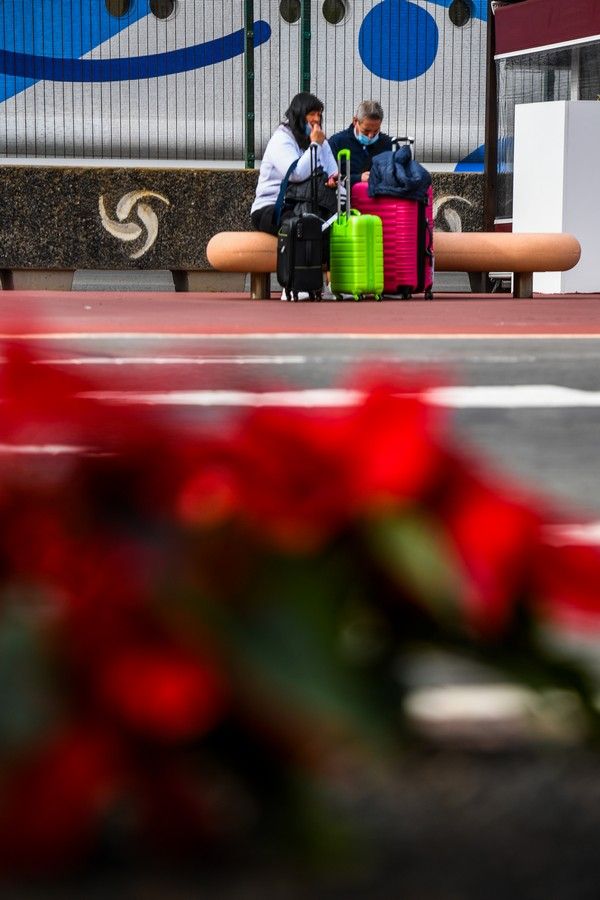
(164,78)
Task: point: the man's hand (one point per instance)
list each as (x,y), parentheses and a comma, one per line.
(332,180)
(365,176)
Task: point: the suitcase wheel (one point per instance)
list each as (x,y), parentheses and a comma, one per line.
(357,296)
(429,295)
(339,296)
(378,296)
(406,294)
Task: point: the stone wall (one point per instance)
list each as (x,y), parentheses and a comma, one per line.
(458,201)
(62,219)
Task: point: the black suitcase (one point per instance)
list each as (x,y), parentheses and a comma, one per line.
(300,250)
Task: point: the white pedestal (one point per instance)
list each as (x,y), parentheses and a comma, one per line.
(557,184)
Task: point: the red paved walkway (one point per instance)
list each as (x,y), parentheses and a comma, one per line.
(42,312)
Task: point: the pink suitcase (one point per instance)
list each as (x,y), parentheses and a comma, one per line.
(407,240)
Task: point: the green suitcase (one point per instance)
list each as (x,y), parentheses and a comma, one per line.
(356,246)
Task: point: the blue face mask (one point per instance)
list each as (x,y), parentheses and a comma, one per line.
(307,129)
(364,140)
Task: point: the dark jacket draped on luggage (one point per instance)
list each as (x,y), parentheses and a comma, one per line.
(397,174)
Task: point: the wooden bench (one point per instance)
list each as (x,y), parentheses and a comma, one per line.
(521,254)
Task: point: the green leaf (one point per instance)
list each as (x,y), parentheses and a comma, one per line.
(415,553)
(290,643)
(27,706)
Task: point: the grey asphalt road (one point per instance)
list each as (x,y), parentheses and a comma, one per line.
(551,448)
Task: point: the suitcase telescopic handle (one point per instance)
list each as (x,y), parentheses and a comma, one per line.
(403,140)
(314,160)
(343,181)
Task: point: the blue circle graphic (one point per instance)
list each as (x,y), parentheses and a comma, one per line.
(398,41)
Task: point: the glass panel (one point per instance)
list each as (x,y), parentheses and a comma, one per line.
(531,78)
(589,72)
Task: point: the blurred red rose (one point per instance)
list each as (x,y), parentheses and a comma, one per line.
(393,451)
(162,692)
(210,493)
(53,804)
(494,535)
(290,468)
(34,544)
(299,476)
(41,404)
(566,582)
(44,405)
(127,548)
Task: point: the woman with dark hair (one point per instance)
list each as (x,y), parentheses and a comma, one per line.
(291,141)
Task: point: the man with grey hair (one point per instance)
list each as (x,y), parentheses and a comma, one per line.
(363,138)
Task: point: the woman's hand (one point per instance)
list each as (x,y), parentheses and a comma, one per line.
(332,180)
(317,135)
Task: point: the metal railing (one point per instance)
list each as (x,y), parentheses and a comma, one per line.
(210,79)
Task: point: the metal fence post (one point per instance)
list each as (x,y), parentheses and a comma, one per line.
(305,25)
(249,82)
(491,126)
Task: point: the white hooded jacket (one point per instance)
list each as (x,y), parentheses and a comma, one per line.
(280,153)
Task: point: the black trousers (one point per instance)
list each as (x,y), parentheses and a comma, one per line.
(262,220)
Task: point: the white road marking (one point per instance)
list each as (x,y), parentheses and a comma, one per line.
(585,533)
(518,396)
(175,361)
(514,396)
(41,449)
(319,397)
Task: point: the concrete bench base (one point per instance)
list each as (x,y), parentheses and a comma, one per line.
(36,279)
(521,254)
(126,280)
